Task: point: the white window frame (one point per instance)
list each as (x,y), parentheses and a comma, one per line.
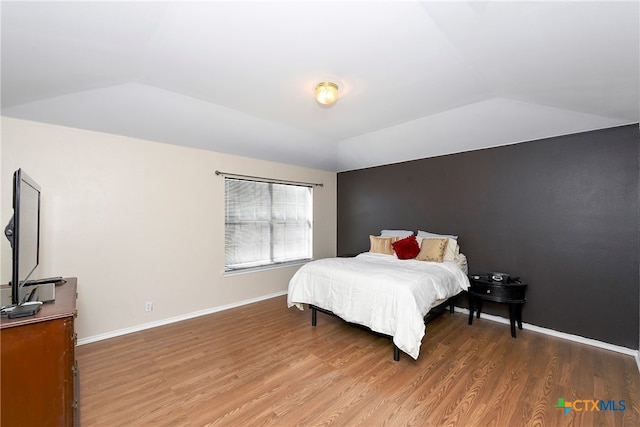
(267,224)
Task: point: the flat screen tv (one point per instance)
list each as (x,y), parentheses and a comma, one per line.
(23,232)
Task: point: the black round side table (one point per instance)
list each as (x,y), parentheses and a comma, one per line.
(511,292)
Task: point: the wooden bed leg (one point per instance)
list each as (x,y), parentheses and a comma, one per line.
(314,316)
(396,353)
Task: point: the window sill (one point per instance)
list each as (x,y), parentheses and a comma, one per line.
(265,267)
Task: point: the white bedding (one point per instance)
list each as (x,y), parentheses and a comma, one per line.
(382,292)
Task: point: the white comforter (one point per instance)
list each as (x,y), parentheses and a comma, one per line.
(382,292)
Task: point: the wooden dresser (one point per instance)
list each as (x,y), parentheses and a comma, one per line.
(39,373)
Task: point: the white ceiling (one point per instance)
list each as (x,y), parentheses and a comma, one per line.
(417,79)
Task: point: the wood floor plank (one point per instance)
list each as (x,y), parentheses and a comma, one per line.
(265,365)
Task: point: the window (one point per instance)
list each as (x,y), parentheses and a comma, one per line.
(266,223)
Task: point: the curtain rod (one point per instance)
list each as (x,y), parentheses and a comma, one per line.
(277,181)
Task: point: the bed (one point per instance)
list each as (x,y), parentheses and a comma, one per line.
(383,289)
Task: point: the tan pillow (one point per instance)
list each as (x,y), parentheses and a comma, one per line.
(432,249)
(452,250)
(382,245)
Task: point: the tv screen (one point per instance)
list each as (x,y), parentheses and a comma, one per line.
(23,232)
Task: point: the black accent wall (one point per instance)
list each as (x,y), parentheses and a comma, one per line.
(562,213)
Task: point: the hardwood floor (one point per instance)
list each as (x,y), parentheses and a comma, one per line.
(264,364)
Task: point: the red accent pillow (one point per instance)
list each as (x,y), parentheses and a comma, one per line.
(407,248)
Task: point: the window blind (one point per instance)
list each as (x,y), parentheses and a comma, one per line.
(266,223)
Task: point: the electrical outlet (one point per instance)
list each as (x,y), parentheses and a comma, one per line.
(148,306)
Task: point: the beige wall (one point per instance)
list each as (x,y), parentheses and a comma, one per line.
(140,221)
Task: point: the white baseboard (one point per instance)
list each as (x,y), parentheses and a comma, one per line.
(163,322)
(563,335)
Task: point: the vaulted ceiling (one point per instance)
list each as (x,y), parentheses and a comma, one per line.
(416,79)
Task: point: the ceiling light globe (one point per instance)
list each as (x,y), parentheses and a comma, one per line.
(326,93)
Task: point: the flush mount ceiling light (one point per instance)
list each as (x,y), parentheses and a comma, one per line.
(326,93)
